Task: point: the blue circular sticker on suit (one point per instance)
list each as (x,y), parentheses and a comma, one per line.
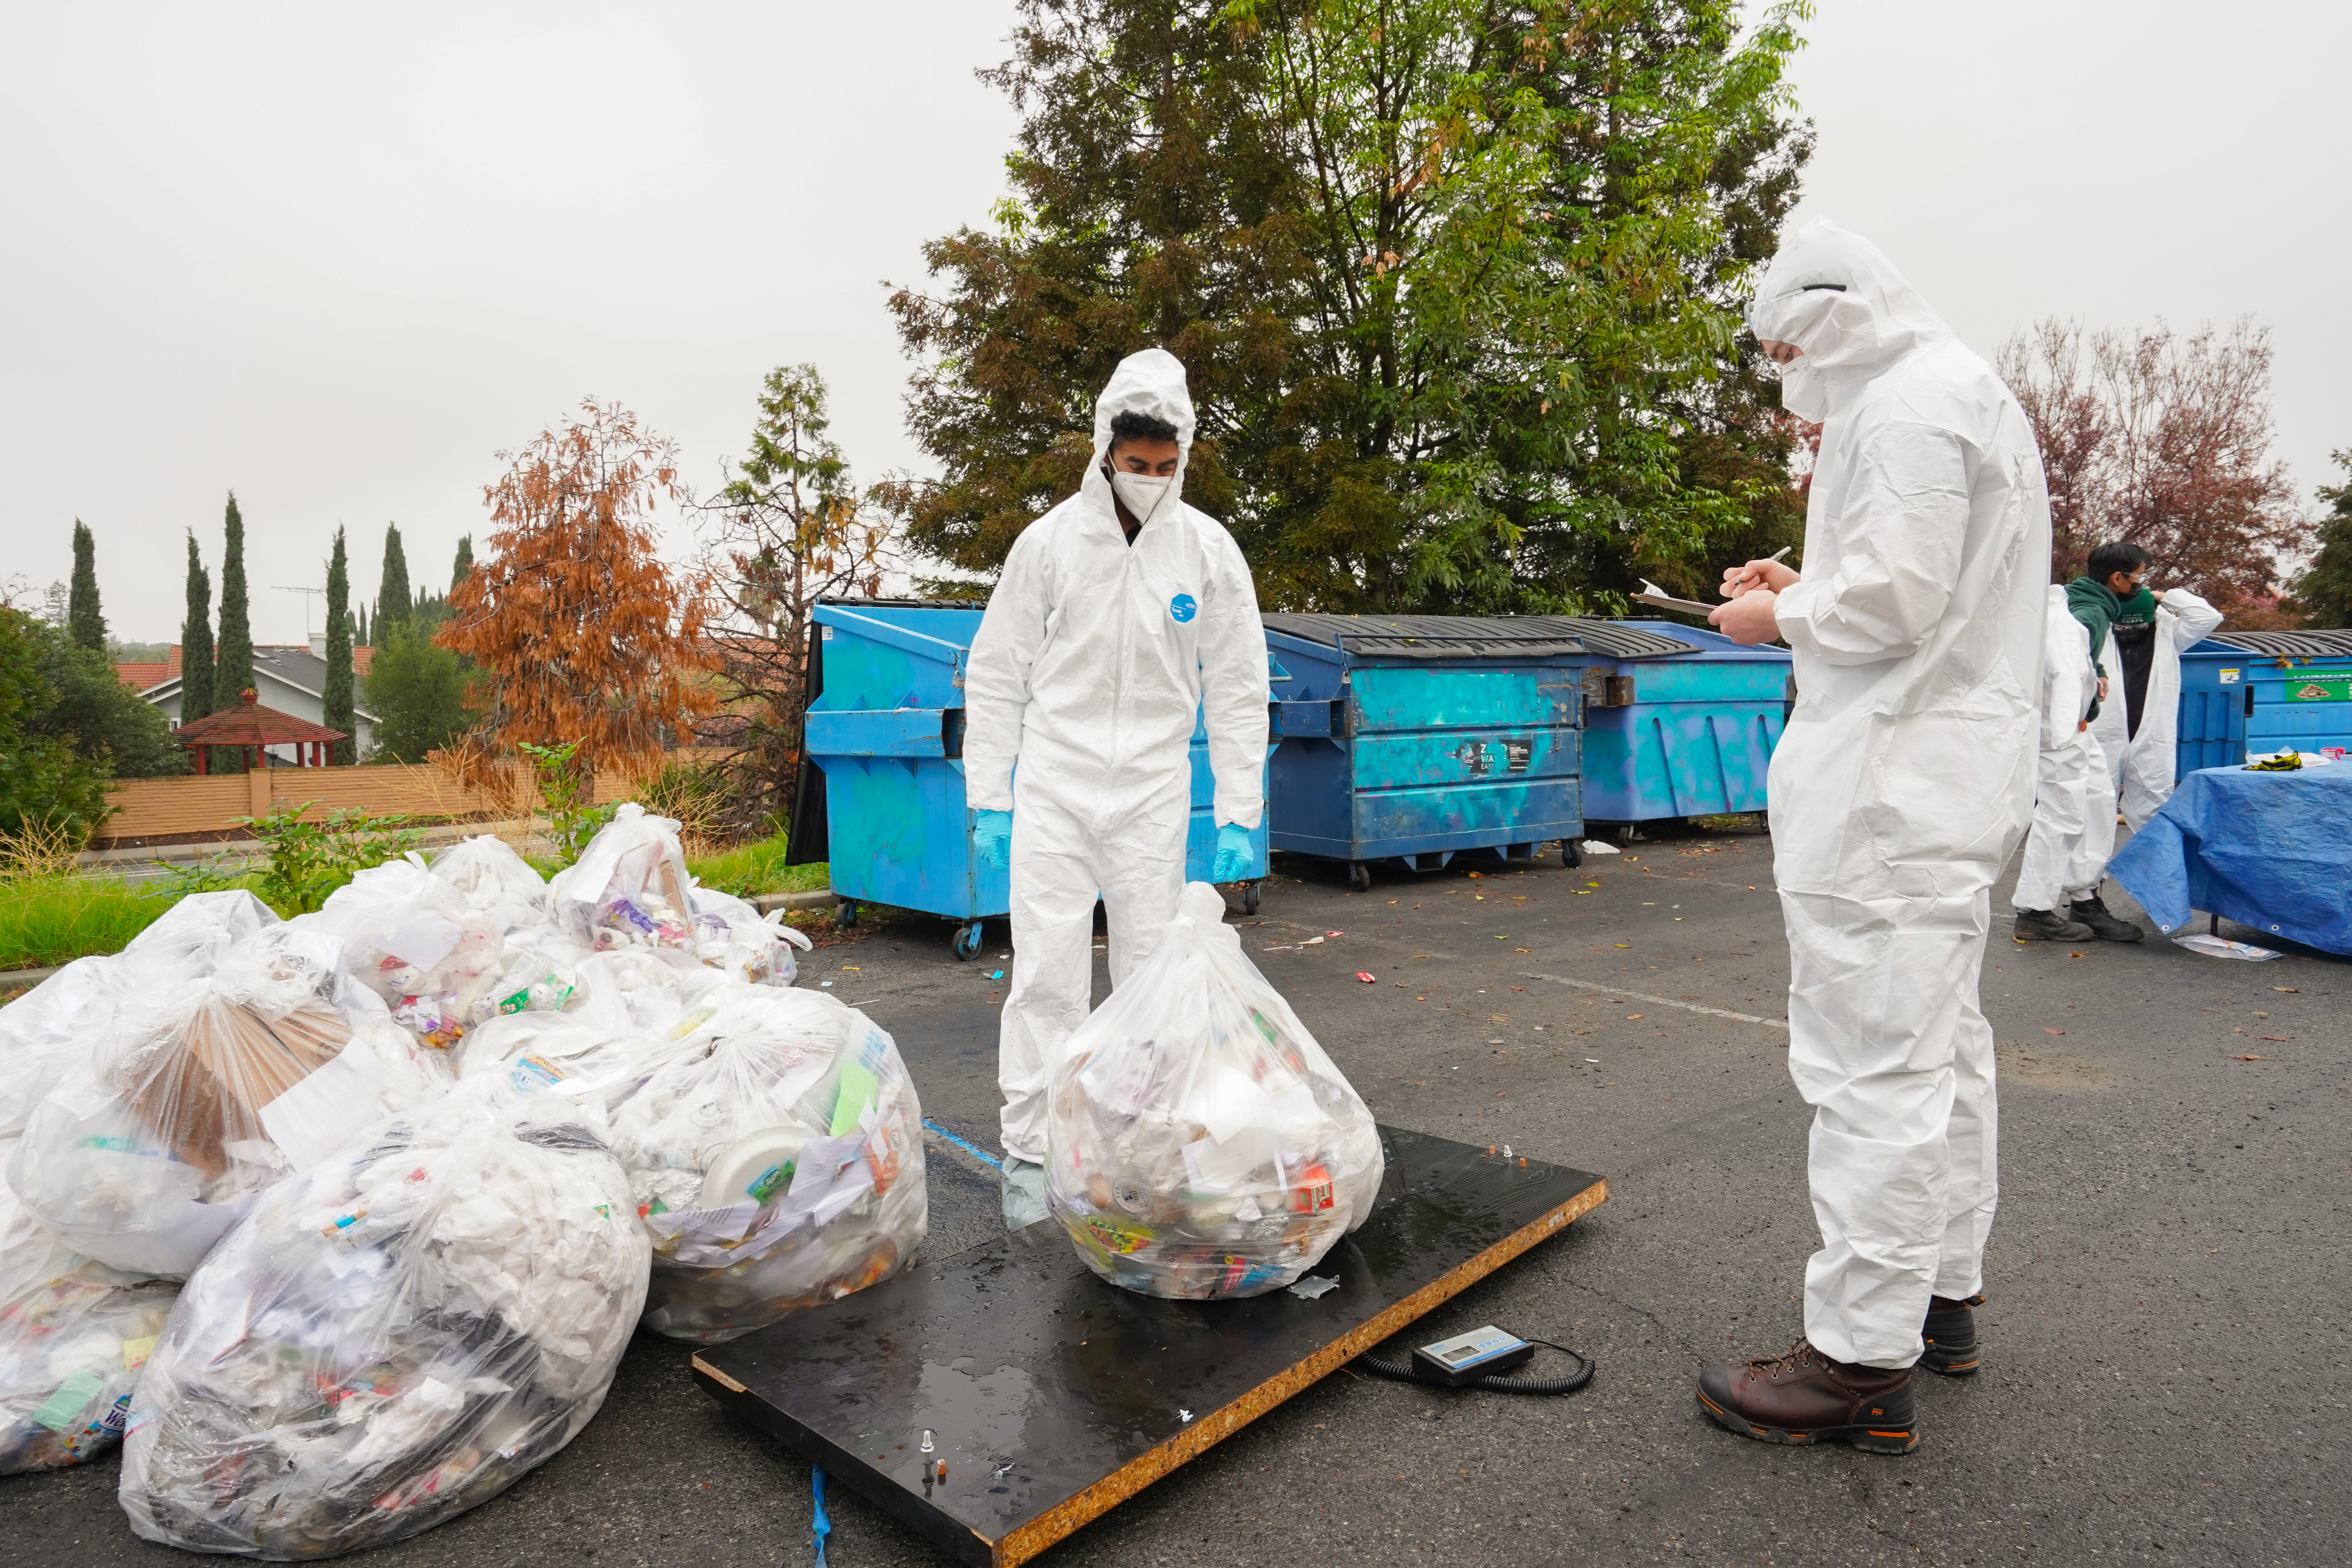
(1184,607)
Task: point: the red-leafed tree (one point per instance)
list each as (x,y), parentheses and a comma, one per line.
(582,633)
(2164,438)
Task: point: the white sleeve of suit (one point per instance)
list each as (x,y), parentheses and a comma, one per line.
(1907,517)
(1233,689)
(2196,619)
(996,678)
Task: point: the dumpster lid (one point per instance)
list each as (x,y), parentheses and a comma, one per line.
(2290,645)
(1477,637)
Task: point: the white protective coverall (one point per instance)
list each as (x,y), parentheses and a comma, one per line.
(1904,779)
(1089,669)
(2073,831)
(2141,766)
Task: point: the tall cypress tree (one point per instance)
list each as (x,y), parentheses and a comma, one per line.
(464,562)
(360,626)
(338,713)
(393,599)
(84,624)
(233,658)
(196,641)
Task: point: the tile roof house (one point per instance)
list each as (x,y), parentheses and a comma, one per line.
(291,679)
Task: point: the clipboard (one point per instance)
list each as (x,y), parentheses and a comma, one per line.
(1654,594)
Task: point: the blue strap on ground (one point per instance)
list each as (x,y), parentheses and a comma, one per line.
(822,1525)
(973,1150)
(2266,850)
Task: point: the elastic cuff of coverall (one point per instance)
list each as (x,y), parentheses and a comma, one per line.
(1246,819)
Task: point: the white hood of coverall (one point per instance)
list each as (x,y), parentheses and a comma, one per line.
(1835,296)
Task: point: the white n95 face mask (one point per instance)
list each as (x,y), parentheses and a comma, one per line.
(1803,392)
(1141,493)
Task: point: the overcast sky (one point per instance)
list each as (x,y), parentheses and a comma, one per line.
(335,261)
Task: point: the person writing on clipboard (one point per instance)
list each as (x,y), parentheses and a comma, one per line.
(1901,785)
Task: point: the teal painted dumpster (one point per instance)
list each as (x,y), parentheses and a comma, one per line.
(2210,731)
(2296,689)
(1685,734)
(881,797)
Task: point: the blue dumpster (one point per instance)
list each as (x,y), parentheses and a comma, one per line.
(2211,728)
(1416,737)
(2296,689)
(1685,734)
(882,794)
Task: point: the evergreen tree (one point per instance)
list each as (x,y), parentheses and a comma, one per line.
(359,631)
(2324,591)
(233,657)
(393,599)
(338,713)
(196,642)
(83,620)
(465,559)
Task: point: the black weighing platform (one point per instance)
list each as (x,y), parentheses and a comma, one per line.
(1052,1395)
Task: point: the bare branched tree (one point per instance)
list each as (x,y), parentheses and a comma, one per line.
(787,529)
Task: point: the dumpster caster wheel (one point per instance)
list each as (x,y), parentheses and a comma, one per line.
(967,941)
(1249,898)
(1359,876)
(1571,854)
(844,914)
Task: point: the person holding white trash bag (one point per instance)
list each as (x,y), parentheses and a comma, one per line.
(1902,784)
(1120,615)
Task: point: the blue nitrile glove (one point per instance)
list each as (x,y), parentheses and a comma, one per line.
(1232,853)
(991,835)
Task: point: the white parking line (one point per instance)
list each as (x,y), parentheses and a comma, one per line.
(1661,1001)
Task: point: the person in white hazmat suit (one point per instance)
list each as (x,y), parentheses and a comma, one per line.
(2140,730)
(2074,827)
(1901,785)
(1121,613)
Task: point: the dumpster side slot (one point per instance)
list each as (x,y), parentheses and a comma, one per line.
(881,733)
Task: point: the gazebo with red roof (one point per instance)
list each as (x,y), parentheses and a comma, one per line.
(249,724)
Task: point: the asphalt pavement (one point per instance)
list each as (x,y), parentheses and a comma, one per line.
(2165,1367)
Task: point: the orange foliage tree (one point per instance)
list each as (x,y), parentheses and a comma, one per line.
(582,634)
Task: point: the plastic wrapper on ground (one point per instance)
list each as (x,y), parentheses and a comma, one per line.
(44,1031)
(629,889)
(1201,1145)
(409,938)
(391,1338)
(776,1159)
(73,1336)
(148,1149)
(493,880)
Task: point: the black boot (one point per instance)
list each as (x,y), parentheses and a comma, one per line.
(1952,1335)
(2047,925)
(2092,912)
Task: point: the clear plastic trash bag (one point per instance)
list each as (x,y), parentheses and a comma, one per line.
(146,1151)
(393,1337)
(573,1055)
(409,937)
(629,889)
(73,1335)
(1201,1143)
(740,942)
(776,1157)
(634,990)
(495,880)
(53,1025)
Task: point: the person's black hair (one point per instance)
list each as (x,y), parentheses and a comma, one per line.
(2115,556)
(1132,425)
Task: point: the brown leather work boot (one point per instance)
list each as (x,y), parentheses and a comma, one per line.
(1805,1397)
(1952,1335)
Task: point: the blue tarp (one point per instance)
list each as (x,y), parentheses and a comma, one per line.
(2267,850)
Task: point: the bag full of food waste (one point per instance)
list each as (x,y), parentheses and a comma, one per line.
(73,1335)
(493,880)
(1201,1146)
(148,1149)
(409,938)
(776,1158)
(393,1337)
(629,889)
(740,942)
(45,1030)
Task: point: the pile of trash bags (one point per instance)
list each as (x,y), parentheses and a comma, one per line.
(340,1224)
(1201,1146)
